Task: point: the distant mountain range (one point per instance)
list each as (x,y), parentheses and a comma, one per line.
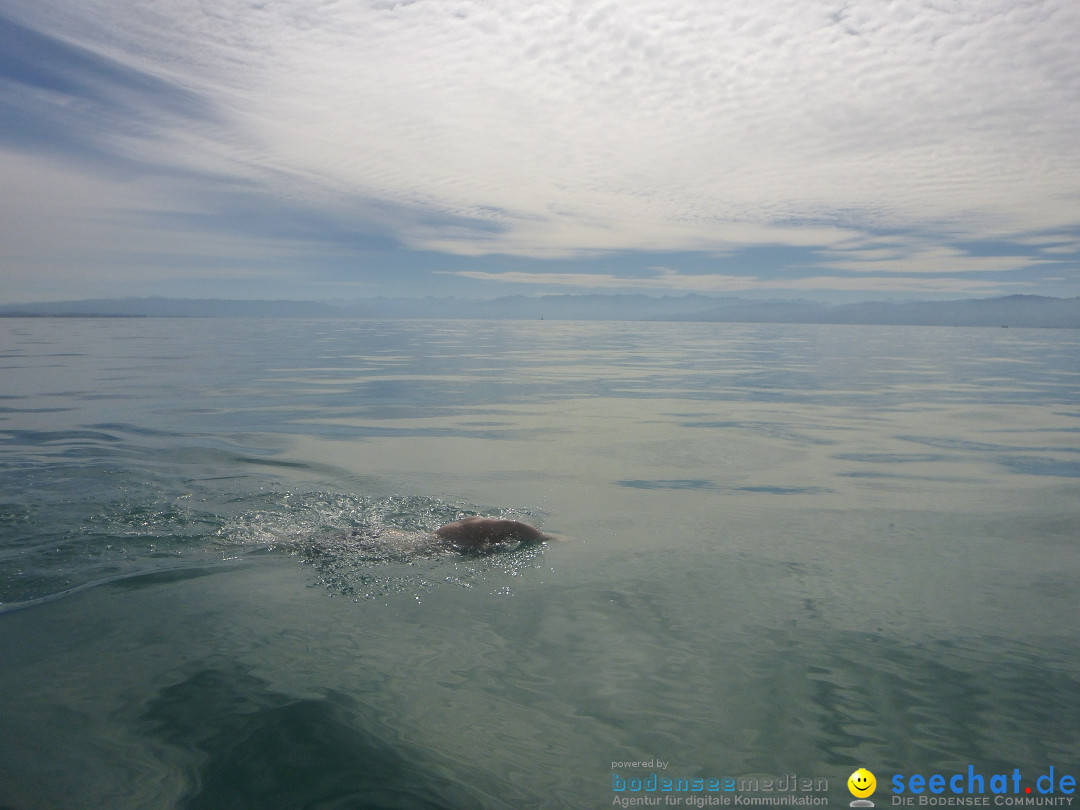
(1012,310)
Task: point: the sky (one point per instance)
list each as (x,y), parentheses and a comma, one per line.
(342,149)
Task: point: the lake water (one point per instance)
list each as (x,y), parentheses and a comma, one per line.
(791,551)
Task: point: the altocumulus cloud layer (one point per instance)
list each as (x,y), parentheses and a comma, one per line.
(326,148)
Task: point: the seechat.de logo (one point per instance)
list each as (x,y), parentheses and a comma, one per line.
(862,785)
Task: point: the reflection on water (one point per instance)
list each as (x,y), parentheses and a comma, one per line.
(794,549)
(251,747)
(244,687)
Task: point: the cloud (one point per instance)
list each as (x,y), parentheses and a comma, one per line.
(931,259)
(59,97)
(565,129)
(646,125)
(667,280)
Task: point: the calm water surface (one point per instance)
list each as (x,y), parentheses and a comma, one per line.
(792,550)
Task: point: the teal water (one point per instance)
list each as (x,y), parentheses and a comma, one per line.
(790,550)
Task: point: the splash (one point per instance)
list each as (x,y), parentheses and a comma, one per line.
(371,548)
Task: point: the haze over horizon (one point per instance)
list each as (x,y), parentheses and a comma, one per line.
(276,149)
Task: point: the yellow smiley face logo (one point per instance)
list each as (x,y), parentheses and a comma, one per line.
(861,783)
